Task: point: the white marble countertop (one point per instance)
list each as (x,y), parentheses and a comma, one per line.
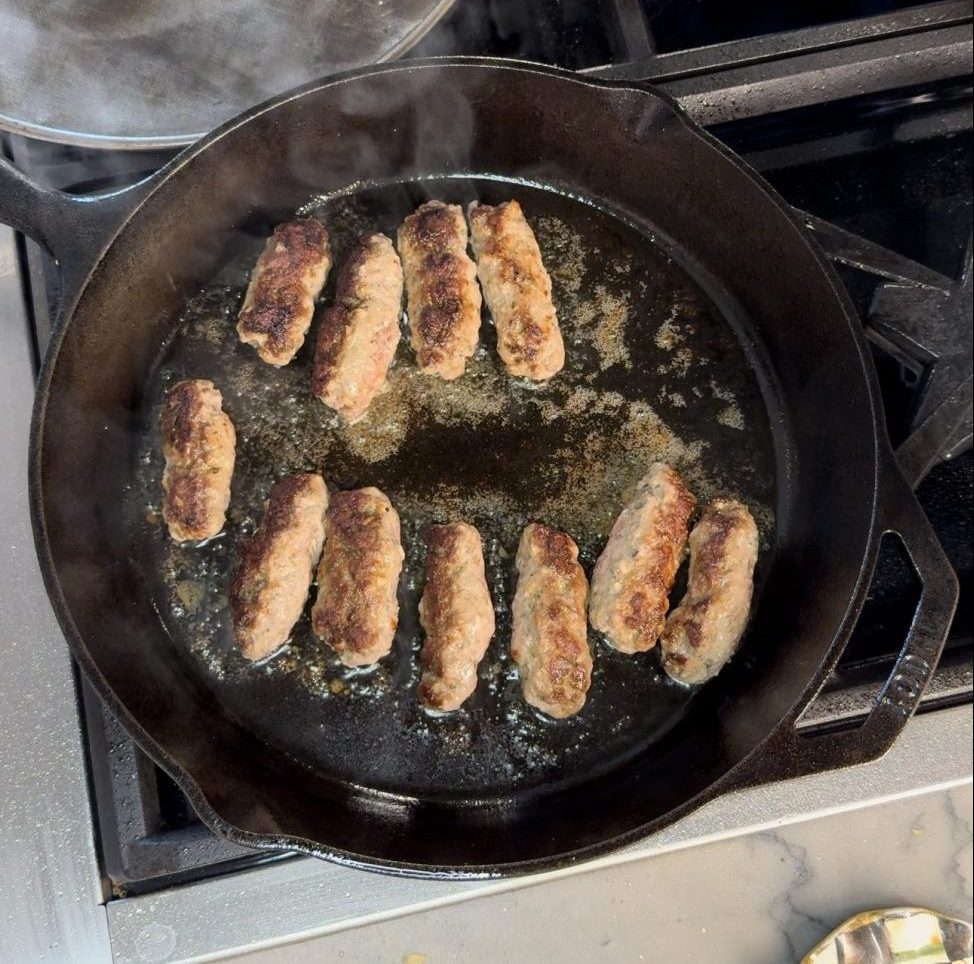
(763,898)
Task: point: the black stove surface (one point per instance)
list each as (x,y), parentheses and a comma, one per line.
(891,164)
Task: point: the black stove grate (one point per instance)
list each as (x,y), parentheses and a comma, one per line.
(863,126)
(685,24)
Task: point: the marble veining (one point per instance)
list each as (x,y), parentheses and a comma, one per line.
(789,907)
(763,898)
(962,833)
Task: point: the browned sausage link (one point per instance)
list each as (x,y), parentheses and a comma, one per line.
(702,633)
(358,335)
(517,290)
(549,641)
(199,444)
(272,581)
(456,614)
(280,300)
(632,579)
(443,300)
(356,612)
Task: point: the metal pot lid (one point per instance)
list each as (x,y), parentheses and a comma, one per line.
(159,74)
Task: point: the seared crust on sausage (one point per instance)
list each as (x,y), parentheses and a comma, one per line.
(443,300)
(280,300)
(356,612)
(549,640)
(517,289)
(632,579)
(456,614)
(271,584)
(702,633)
(199,445)
(359,333)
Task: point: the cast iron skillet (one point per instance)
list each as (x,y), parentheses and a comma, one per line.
(342,766)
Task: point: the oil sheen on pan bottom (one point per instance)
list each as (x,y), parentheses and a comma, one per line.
(654,371)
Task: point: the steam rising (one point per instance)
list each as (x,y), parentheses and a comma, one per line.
(173,71)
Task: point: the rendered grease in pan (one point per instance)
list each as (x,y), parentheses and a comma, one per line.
(653,372)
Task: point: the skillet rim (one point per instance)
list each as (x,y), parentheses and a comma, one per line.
(880,457)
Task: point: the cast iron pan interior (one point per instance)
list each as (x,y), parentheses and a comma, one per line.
(686,295)
(653,372)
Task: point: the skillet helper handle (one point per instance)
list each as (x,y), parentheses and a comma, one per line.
(900,696)
(790,753)
(73,230)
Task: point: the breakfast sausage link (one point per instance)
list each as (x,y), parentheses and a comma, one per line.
(443,300)
(280,300)
(457,615)
(549,641)
(517,290)
(356,612)
(359,334)
(272,581)
(702,633)
(199,445)
(632,579)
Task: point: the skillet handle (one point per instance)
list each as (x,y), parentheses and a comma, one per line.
(790,753)
(73,230)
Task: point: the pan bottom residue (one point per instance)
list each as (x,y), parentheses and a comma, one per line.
(653,372)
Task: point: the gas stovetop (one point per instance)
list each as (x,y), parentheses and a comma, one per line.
(864,127)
